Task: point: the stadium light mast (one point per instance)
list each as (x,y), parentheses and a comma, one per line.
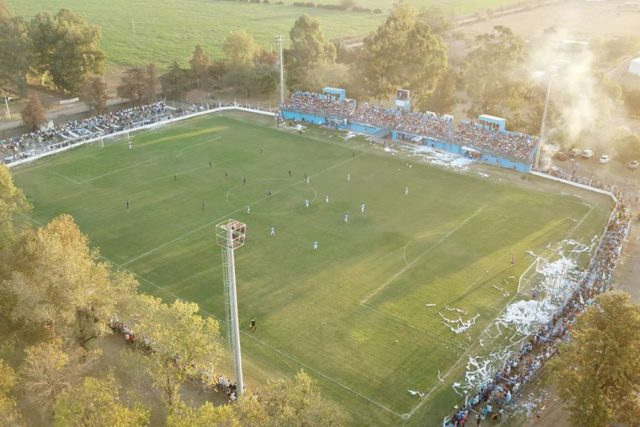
(230,235)
(280,41)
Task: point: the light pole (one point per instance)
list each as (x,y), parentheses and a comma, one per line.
(536,163)
(230,235)
(6,103)
(280,41)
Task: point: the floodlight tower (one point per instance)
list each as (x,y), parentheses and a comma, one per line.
(280,41)
(230,235)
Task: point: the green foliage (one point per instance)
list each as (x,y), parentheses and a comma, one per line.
(627,146)
(94,94)
(97,403)
(66,49)
(402,53)
(489,70)
(33,115)
(631,99)
(50,368)
(13,207)
(176,81)
(139,84)
(9,414)
(15,52)
(443,98)
(309,51)
(59,285)
(597,373)
(239,49)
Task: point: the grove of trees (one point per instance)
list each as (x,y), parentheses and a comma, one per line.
(58,297)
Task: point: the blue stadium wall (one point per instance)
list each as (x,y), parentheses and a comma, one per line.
(451,147)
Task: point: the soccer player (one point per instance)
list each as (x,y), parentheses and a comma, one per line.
(126,204)
(252,325)
(308,179)
(203,206)
(244,180)
(269,193)
(362,207)
(273,231)
(315,245)
(348,177)
(346,217)
(248,209)
(130,145)
(406,190)
(209,163)
(326,198)
(289,172)
(306,203)
(175,177)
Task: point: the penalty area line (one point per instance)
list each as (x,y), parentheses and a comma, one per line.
(422,255)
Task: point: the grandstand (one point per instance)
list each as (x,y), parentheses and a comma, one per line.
(486,140)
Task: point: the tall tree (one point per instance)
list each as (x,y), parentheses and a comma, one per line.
(597,373)
(489,72)
(50,368)
(139,84)
(94,94)
(5,13)
(443,98)
(309,50)
(13,207)
(176,81)
(239,49)
(15,52)
(59,285)
(182,341)
(8,405)
(97,403)
(200,64)
(66,48)
(33,113)
(402,53)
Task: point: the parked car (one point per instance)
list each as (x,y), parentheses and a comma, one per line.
(575,152)
(587,154)
(604,159)
(633,164)
(561,156)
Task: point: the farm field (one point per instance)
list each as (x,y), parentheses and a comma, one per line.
(164,31)
(362,313)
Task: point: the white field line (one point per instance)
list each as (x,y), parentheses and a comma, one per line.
(195,230)
(422,255)
(424,398)
(269,346)
(62,176)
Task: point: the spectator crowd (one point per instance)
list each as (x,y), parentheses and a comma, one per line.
(510,145)
(54,137)
(491,400)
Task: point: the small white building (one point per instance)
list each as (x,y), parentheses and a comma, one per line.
(634,66)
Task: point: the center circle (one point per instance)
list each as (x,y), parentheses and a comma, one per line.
(285,195)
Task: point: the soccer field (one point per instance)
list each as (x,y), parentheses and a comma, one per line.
(358,314)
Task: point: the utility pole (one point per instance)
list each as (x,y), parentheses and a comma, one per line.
(6,103)
(536,164)
(280,41)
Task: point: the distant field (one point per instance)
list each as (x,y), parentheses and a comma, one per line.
(357,314)
(168,30)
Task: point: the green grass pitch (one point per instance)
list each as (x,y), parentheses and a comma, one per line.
(353,313)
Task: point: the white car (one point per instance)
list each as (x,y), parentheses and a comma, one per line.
(633,164)
(604,159)
(587,154)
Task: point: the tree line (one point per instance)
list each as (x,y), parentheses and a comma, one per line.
(58,297)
